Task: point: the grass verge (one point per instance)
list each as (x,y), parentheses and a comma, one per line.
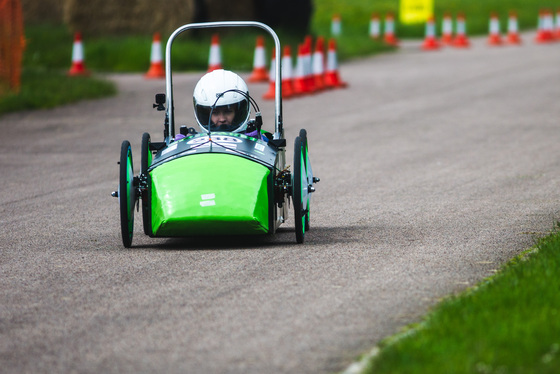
(41,89)
(507,324)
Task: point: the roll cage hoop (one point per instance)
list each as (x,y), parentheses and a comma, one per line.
(169,110)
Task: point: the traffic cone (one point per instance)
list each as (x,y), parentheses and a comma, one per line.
(389,32)
(287,75)
(430,41)
(319,64)
(332,77)
(447,29)
(374,26)
(513,29)
(78,66)
(461,40)
(271,93)
(549,25)
(494,38)
(545,32)
(259,73)
(300,83)
(336,25)
(215,57)
(557,25)
(287,87)
(308,64)
(156,66)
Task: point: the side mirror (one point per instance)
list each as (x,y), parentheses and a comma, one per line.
(160,100)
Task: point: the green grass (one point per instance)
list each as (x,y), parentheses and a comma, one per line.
(50,46)
(42,89)
(510,323)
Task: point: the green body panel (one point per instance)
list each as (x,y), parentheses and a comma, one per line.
(210,194)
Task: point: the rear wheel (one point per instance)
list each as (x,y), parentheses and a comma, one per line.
(145,162)
(127,193)
(299,190)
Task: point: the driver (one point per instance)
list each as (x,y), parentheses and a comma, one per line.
(221,101)
(222,116)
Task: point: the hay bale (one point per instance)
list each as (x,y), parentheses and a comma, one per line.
(143,17)
(35,12)
(98,17)
(226,10)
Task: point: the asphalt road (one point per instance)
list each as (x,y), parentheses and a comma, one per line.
(436,168)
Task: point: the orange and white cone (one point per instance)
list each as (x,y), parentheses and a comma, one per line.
(78,66)
(494,37)
(545,32)
(557,25)
(513,29)
(336,25)
(332,77)
(374,26)
(300,82)
(287,74)
(549,25)
(156,65)
(319,64)
(430,41)
(287,87)
(447,29)
(215,57)
(271,93)
(461,40)
(389,32)
(308,64)
(259,73)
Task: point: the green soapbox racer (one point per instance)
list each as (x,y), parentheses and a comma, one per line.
(228,179)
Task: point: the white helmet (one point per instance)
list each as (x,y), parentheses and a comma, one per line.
(221,88)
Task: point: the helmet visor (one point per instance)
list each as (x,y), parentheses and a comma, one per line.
(224,117)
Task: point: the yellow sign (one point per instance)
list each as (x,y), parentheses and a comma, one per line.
(415,11)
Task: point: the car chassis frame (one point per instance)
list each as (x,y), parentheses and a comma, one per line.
(215,183)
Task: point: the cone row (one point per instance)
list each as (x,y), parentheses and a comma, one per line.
(315,70)
(548,31)
(318,69)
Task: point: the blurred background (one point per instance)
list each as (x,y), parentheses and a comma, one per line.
(36,37)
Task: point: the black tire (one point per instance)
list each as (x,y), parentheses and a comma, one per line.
(127,194)
(303,136)
(299,182)
(145,162)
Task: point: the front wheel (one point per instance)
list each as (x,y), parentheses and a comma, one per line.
(299,190)
(127,193)
(307,166)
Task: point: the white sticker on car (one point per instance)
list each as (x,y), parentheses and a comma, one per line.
(172,147)
(208,199)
